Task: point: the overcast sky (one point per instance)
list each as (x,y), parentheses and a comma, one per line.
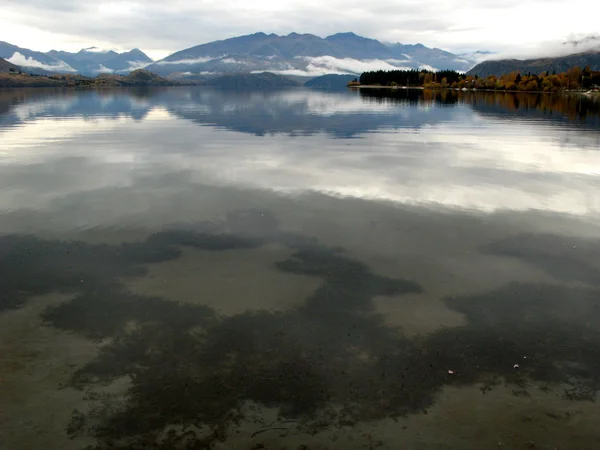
(517,27)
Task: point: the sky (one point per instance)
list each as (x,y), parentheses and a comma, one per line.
(509,27)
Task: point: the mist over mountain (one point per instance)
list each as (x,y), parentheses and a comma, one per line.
(297,55)
(90,61)
(94,61)
(32,61)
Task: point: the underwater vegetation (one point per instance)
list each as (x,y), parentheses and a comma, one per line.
(331,361)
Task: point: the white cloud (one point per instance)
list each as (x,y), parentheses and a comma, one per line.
(323,65)
(397,62)
(164,27)
(96,50)
(200,60)
(21,60)
(135,65)
(103,69)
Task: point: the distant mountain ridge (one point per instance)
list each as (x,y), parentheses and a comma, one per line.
(89,61)
(304,55)
(538,65)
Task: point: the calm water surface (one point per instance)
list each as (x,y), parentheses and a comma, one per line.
(187,268)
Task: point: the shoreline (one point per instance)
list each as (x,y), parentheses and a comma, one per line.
(369,86)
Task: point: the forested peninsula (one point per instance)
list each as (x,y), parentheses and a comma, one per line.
(571,80)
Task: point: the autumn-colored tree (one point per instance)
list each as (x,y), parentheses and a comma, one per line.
(572,79)
(532,86)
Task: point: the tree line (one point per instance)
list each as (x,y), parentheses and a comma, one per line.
(412,77)
(573,79)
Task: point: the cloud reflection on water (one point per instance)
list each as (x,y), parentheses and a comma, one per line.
(69,146)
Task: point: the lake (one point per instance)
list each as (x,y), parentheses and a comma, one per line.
(187,268)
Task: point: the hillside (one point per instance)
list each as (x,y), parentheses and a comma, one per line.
(5,66)
(263,80)
(135,78)
(537,66)
(332,81)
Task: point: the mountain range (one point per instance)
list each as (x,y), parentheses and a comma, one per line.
(295,54)
(89,61)
(539,65)
(304,55)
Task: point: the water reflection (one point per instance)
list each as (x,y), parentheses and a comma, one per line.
(306,112)
(188,268)
(560,108)
(412,149)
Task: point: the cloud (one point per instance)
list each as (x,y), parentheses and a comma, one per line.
(135,65)
(186,61)
(103,69)
(23,61)
(96,50)
(428,67)
(161,27)
(323,65)
(399,61)
(574,43)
